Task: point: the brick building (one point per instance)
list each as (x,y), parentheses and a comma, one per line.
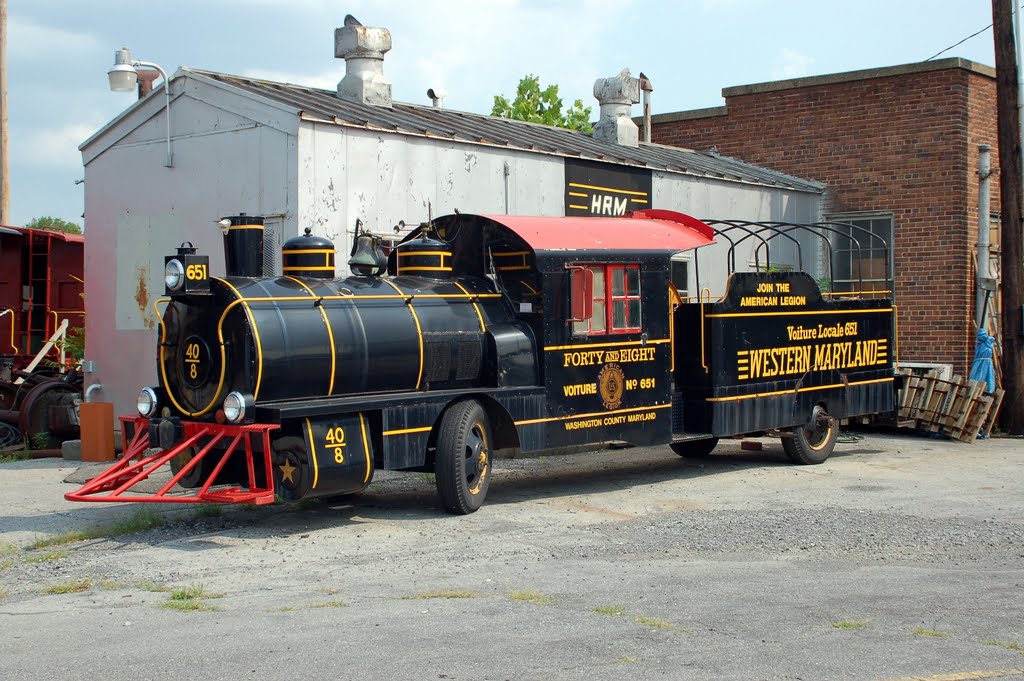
(897,148)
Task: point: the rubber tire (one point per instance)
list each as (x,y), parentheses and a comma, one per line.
(810,445)
(292,449)
(462,470)
(695,449)
(199,473)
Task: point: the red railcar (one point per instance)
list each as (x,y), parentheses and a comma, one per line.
(40,286)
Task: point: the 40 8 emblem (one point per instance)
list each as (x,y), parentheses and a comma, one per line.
(611,382)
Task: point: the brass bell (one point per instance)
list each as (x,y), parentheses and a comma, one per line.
(368,258)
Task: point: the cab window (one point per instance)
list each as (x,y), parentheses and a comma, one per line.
(615,298)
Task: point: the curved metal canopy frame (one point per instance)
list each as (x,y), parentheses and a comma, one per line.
(753,229)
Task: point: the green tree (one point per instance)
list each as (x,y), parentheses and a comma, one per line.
(542,106)
(54,224)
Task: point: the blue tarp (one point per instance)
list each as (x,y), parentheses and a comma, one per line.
(981,368)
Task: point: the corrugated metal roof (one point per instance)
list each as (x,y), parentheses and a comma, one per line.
(461,126)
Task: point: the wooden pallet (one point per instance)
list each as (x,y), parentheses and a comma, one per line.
(960,409)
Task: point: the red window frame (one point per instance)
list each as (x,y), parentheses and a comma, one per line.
(608,300)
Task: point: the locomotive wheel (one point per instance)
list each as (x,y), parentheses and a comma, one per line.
(291,468)
(231,473)
(463,466)
(695,449)
(813,442)
(198,474)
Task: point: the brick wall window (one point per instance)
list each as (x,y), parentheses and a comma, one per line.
(862,252)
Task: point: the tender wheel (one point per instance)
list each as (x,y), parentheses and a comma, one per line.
(463,466)
(695,449)
(292,475)
(813,442)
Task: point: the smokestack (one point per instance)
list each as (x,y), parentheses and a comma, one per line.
(616,95)
(243,245)
(363,50)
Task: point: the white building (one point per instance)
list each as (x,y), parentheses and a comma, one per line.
(304,157)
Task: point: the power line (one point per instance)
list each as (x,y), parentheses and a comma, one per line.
(964,40)
(959,43)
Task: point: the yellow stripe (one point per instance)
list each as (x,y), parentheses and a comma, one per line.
(607,189)
(413,254)
(798,390)
(233,227)
(476,307)
(406,268)
(515,268)
(406,431)
(308,251)
(596,413)
(366,448)
(330,334)
(573,205)
(255,334)
(789,313)
(577,194)
(502,254)
(659,341)
(638,200)
(328,268)
(419,329)
(312,452)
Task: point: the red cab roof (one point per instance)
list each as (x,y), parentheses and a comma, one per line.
(646,230)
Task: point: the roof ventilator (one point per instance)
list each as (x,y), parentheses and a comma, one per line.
(617,95)
(363,48)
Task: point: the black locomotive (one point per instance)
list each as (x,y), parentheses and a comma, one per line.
(479,334)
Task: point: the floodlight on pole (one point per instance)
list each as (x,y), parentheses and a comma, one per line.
(123,78)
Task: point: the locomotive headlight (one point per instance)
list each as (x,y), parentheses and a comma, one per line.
(147,402)
(174,275)
(236,405)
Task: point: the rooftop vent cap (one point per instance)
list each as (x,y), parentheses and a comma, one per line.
(363,48)
(617,95)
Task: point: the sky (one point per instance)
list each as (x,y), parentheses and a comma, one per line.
(58,53)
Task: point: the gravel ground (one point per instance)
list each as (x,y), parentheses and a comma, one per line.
(901,557)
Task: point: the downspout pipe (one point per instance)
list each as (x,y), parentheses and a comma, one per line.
(984,283)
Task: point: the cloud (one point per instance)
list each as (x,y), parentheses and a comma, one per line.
(52,147)
(28,40)
(794,64)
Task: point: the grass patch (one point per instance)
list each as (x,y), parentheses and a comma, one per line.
(48,556)
(610,610)
(849,624)
(188,606)
(531,597)
(3,594)
(335,604)
(143,519)
(190,598)
(193,592)
(930,633)
(6,548)
(152,587)
(627,659)
(11,457)
(1009,645)
(440,594)
(210,511)
(283,608)
(6,563)
(654,622)
(70,587)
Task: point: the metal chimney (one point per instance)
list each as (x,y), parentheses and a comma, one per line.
(616,95)
(363,50)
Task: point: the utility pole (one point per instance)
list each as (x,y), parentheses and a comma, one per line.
(5,182)
(1010,191)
